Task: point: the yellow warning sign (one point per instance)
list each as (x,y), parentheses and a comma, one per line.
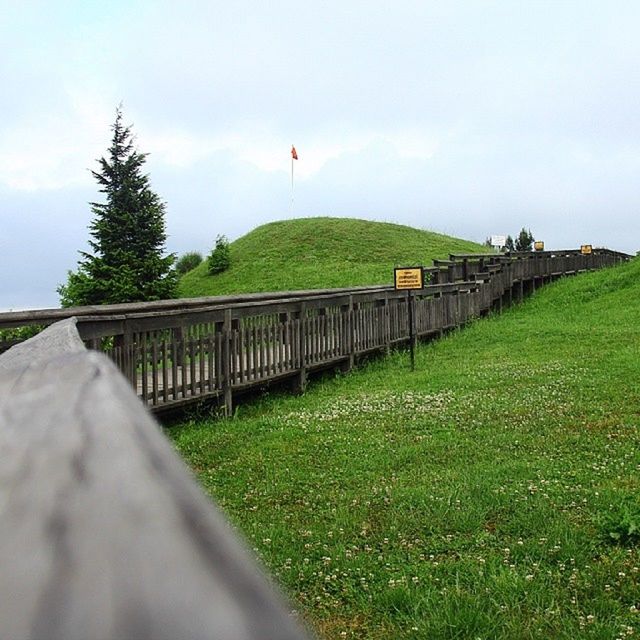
(586,249)
(408,278)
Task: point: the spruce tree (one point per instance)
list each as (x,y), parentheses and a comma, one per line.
(128,234)
(524,240)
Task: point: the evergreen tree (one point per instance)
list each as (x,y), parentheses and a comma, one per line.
(509,246)
(220,258)
(128,234)
(524,241)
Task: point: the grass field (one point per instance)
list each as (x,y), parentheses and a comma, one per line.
(317,253)
(492,493)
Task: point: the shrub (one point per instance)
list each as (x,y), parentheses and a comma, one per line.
(220,258)
(187,262)
(9,337)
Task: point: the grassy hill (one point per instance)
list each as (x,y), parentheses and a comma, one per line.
(316,253)
(492,493)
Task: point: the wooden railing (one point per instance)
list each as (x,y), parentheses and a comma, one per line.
(104,533)
(180,351)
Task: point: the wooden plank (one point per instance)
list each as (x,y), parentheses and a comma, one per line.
(201,363)
(174,366)
(192,366)
(144,368)
(254,353)
(233,358)
(281,348)
(218,357)
(241,354)
(103,531)
(165,372)
(155,373)
(268,349)
(182,353)
(211,349)
(226,363)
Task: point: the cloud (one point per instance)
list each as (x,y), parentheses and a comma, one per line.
(467,117)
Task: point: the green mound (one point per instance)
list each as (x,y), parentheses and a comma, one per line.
(318,253)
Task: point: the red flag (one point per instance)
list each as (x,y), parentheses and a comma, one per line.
(294,153)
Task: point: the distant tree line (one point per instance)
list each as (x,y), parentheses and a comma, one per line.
(523,242)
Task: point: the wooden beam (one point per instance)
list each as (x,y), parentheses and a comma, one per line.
(103,531)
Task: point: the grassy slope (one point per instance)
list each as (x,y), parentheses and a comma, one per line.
(314,253)
(475,497)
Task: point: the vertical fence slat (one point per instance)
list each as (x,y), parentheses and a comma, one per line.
(165,376)
(154,369)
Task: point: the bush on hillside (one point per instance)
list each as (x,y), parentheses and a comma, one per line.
(187,262)
(220,258)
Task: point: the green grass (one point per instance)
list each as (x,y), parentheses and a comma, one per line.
(492,493)
(316,253)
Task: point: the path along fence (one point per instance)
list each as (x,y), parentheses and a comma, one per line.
(182,351)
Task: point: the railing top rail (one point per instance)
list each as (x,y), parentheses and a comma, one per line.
(46,316)
(175,317)
(467,256)
(535,254)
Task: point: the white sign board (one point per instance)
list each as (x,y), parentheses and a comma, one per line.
(498,241)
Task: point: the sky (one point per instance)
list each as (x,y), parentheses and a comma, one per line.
(463,117)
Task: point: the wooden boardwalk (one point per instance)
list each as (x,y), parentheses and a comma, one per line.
(182,351)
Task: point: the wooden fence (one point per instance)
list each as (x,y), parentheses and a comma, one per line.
(182,351)
(104,534)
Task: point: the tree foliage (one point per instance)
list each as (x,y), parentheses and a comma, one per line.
(524,241)
(220,258)
(128,234)
(509,246)
(187,262)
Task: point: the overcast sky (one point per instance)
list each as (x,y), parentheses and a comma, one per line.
(469,118)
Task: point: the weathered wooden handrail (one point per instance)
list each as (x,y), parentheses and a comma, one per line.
(179,351)
(103,532)
(12,319)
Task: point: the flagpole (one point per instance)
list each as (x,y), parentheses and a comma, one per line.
(292,181)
